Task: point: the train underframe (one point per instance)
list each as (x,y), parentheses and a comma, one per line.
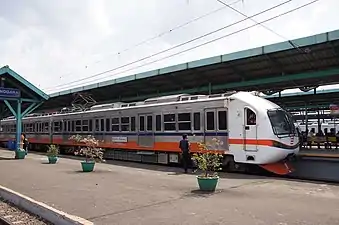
(173,159)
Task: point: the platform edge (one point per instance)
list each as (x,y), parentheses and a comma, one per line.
(41,209)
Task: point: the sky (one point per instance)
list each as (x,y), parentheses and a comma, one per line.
(54,44)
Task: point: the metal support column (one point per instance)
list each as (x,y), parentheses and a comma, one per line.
(209,88)
(18,125)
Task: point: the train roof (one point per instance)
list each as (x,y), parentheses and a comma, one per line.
(164,100)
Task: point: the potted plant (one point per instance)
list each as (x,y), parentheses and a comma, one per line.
(88,148)
(52,154)
(209,163)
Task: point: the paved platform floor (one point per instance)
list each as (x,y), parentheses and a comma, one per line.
(143,194)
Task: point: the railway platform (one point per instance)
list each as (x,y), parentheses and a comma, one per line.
(131,193)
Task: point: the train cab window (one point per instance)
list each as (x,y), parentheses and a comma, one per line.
(108,125)
(133,123)
(210,121)
(169,122)
(149,126)
(196,122)
(115,124)
(251,118)
(158,122)
(141,123)
(222,120)
(125,123)
(184,121)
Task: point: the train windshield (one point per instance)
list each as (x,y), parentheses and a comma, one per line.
(282,122)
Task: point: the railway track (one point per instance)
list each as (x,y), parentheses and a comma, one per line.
(10,215)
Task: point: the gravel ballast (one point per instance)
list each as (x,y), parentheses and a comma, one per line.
(17,216)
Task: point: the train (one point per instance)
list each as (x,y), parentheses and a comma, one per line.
(253,131)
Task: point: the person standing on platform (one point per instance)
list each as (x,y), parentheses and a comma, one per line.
(25,141)
(184,145)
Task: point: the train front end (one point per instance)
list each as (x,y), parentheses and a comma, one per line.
(268,138)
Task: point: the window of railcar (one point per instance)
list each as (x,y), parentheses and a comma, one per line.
(97,125)
(46,127)
(169,122)
(210,121)
(149,125)
(196,122)
(184,121)
(56,126)
(108,125)
(69,126)
(102,125)
(65,126)
(78,125)
(133,123)
(251,118)
(158,122)
(85,125)
(141,123)
(90,125)
(115,124)
(125,123)
(222,120)
(72,126)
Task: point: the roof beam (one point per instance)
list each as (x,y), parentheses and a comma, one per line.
(248,83)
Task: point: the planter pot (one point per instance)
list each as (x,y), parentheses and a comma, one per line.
(20,154)
(52,159)
(207,183)
(87,166)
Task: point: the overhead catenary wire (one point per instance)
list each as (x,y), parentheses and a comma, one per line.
(171,48)
(145,41)
(219,38)
(264,26)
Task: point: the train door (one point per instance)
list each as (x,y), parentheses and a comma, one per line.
(250,136)
(210,125)
(145,131)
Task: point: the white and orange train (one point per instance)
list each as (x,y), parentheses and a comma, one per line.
(253,130)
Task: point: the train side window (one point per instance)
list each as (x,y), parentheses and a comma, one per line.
(102,125)
(184,121)
(65,126)
(125,123)
(85,125)
(251,118)
(97,125)
(169,122)
(46,127)
(115,124)
(108,125)
(78,125)
(210,121)
(141,123)
(196,122)
(133,123)
(56,127)
(149,126)
(90,125)
(222,120)
(158,122)
(73,126)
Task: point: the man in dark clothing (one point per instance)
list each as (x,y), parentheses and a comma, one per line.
(185,149)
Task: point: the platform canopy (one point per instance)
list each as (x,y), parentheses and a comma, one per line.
(302,63)
(18,97)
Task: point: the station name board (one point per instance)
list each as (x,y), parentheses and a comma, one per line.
(9,92)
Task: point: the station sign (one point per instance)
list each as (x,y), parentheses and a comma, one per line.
(9,93)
